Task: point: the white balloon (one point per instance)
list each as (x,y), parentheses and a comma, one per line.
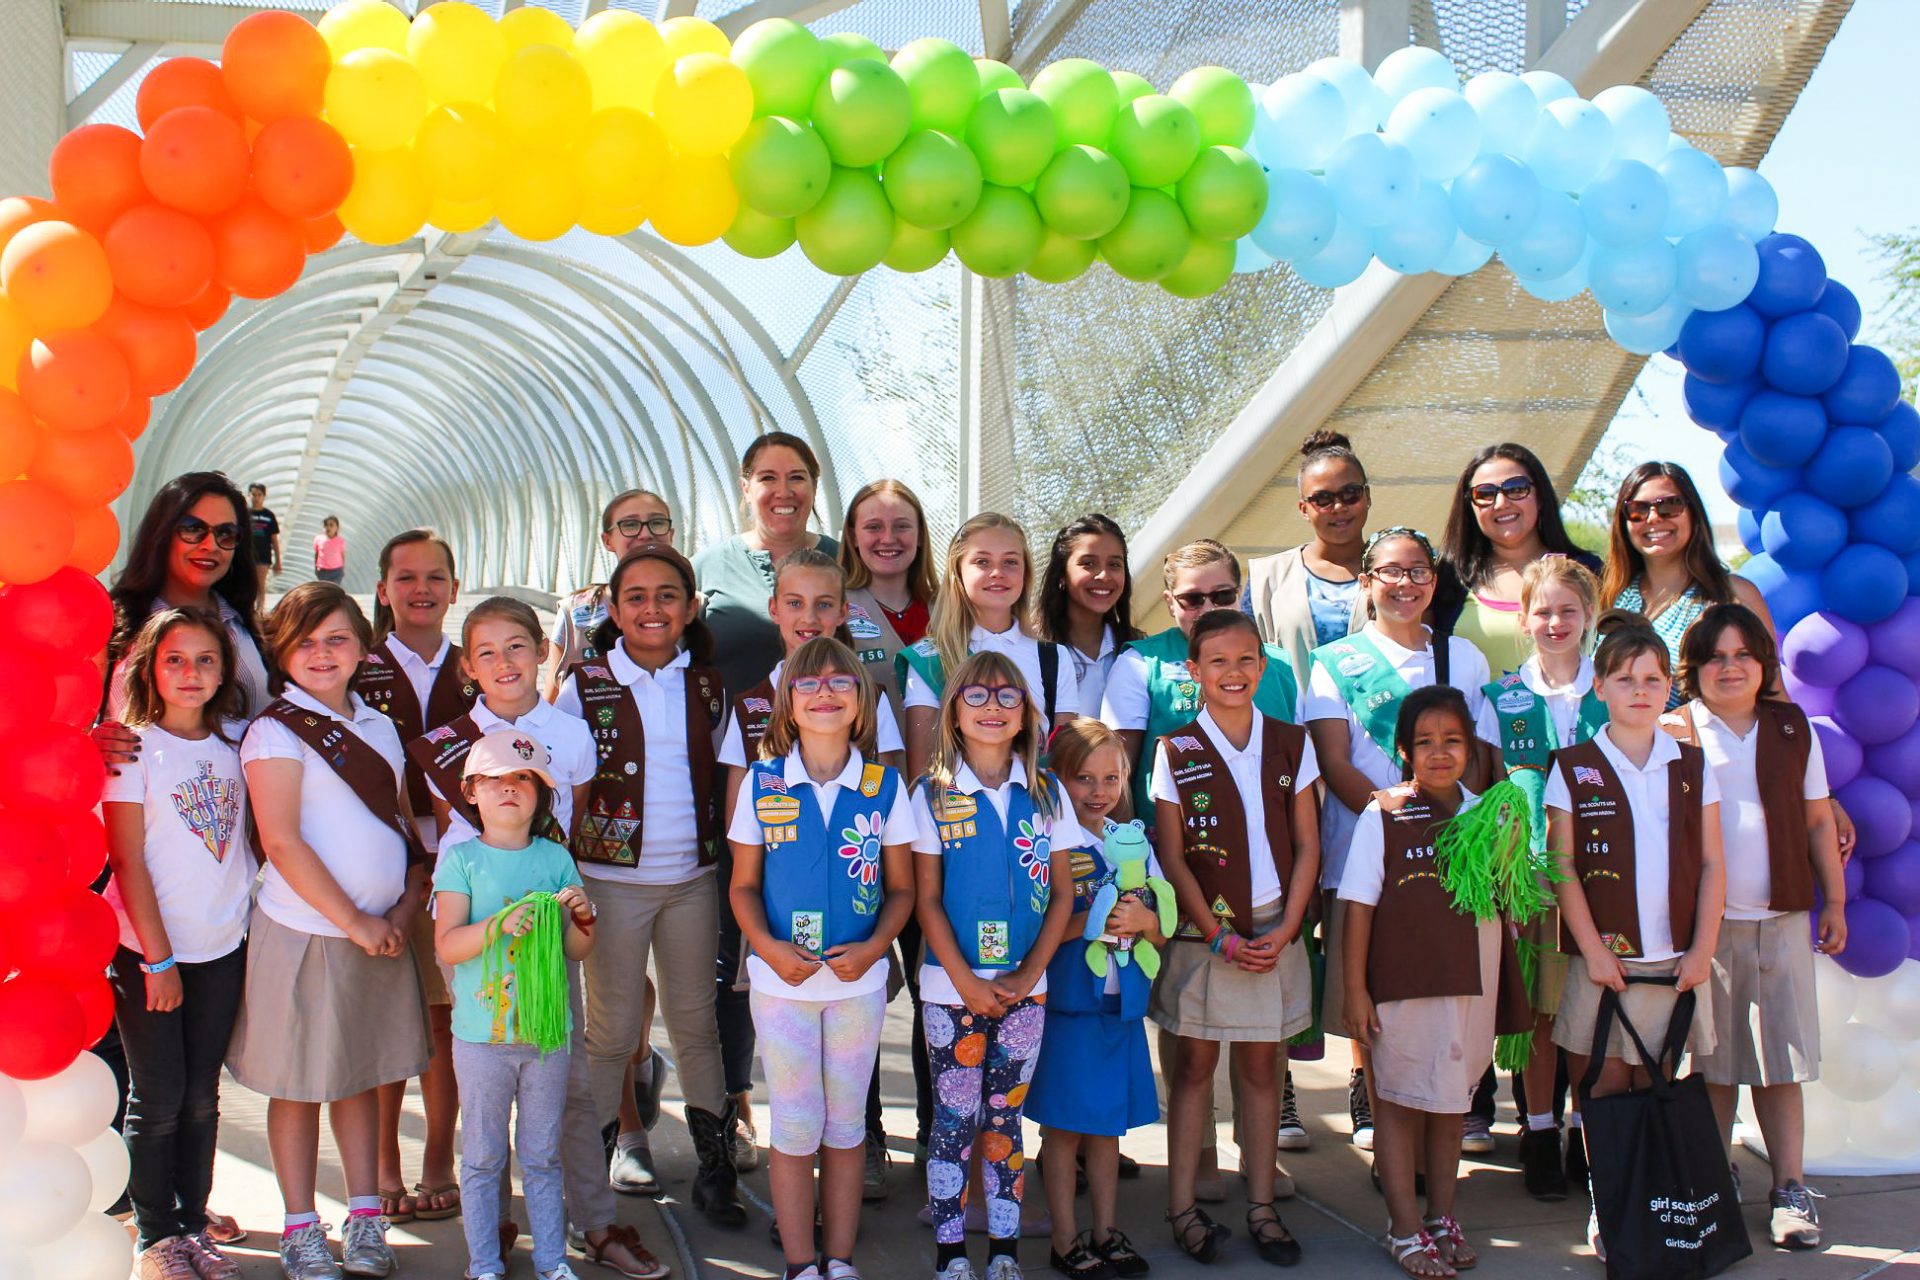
(1829,1121)
(13,1114)
(1440,128)
(1640,125)
(107,1167)
(1835,993)
(1299,121)
(1893,1122)
(1570,144)
(1413,67)
(97,1248)
(44,1190)
(1860,1064)
(1366,104)
(1507,110)
(69,1108)
(1891,1004)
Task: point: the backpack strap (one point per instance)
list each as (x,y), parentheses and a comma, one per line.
(1049,677)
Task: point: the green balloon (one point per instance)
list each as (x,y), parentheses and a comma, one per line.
(755,235)
(1130,86)
(1155,137)
(1221,103)
(1012,132)
(1082,193)
(861,112)
(1083,99)
(916,248)
(1207,266)
(942,81)
(843,47)
(1223,193)
(1061,258)
(932,179)
(780,167)
(784,63)
(995,74)
(851,228)
(1151,239)
(999,238)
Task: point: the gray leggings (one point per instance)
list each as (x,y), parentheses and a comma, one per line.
(494,1078)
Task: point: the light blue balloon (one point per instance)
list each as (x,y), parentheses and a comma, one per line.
(1752,206)
(1300,119)
(1372,180)
(1626,204)
(1652,333)
(1416,242)
(1466,257)
(1549,87)
(1346,255)
(1634,279)
(1572,141)
(1248,257)
(1718,267)
(1496,199)
(1571,284)
(1507,110)
(1366,103)
(1639,119)
(1551,244)
(1440,127)
(1696,190)
(1300,216)
(1414,66)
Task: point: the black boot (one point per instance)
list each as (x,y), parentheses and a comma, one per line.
(1540,1162)
(716,1184)
(1577,1159)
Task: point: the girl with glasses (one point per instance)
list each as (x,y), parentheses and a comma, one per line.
(1310,595)
(632,519)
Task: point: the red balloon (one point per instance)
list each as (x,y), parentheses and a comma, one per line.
(159,257)
(30,700)
(32,856)
(86,468)
(56,770)
(258,253)
(46,1029)
(322,233)
(276,65)
(36,529)
(76,691)
(195,160)
(85,842)
(69,614)
(301,167)
(204,309)
(159,344)
(95,998)
(75,381)
(184,82)
(67,931)
(95,174)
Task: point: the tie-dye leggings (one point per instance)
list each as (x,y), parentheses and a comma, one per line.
(981,1067)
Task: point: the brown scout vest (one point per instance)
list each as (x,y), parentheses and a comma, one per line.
(1603,853)
(1215,822)
(753,712)
(609,831)
(1780,767)
(440,755)
(364,770)
(384,686)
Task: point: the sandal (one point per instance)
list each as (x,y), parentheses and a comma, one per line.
(1191,1219)
(1452,1242)
(391,1203)
(446,1198)
(1270,1235)
(1081,1261)
(1418,1251)
(1121,1255)
(224,1230)
(626,1237)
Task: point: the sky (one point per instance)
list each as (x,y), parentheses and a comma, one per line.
(1843,169)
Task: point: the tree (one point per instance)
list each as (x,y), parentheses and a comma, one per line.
(1900,258)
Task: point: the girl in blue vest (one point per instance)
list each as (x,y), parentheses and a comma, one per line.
(1086,601)
(995,834)
(822,883)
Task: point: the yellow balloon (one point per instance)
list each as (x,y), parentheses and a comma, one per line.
(460,148)
(623,56)
(542,97)
(389,197)
(363,24)
(605,220)
(459,50)
(693,35)
(620,160)
(376,99)
(538,198)
(15,337)
(456,215)
(530,25)
(704,103)
(697,202)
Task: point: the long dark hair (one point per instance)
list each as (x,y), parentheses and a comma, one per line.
(1051,617)
(1428,697)
(1467,549)
(144,576)
(697,640)
(1625,564)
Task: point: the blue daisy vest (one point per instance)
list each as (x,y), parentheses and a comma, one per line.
(822,882)
(995,888)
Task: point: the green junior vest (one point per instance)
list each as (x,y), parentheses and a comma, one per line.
(1367,683)
(923,659)
(1173,698)
(1528,739)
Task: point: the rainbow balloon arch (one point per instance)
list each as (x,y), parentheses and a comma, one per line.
(373,124)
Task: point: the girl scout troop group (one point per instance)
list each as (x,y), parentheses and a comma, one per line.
(797,773)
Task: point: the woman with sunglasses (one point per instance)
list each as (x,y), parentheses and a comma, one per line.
(632,519)
(1310,595)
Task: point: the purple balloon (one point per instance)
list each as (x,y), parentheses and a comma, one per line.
(1814,699)
(1825,649)
(1868,388)
(1898,761)
(1881,813)
(1878,939)
(1895,641)
(1794,599)
(1877,705)
(1842,754)
(1805,354)
(1854,875)
(1894,879)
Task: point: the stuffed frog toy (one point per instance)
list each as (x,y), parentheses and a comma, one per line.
(1125,849)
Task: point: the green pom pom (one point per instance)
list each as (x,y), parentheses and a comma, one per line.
(539,966)
(1486,861)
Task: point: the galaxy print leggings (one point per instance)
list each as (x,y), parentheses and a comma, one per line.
(981,1067)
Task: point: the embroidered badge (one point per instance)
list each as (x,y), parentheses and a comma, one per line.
(773,782)
(1616,943)
(955,805)
(1221,910)
(442,734)
(1034,849)
(759,706)
(776,810)
(1514,701)
(1584,775)
(809,929)
(605,716)
(1354,664)
(376,659)
(859,625)
(993,942)
(870,779)
(598,673)
(1185,742)
(523,748)
(1202,801)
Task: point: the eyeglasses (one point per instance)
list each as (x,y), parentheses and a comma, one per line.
(1393,575)
(1219,598)
(1345,496)
(193,531)
(658,526)
(1638,511)
(1010,697)
(1516,489)
(839,682)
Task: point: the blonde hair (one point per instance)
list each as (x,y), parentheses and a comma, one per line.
(1076,740)
(951,628)
(1196,555)
(1564,571)
(821,656)
(501,609)
(922,583)
(950,749)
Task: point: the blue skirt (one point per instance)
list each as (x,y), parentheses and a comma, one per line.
(1076,1086)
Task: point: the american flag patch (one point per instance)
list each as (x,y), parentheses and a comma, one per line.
(1185,742)
(757,705)
(442,734)
(773,782)
(375,660)
(1586,776)
(599,673)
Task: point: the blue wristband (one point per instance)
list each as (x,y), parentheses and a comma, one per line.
(162,967)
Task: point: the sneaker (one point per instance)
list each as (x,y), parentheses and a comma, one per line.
(631,1170)
(1360,1109)
(561,1272)
(1476,1136)
(363,1249)
(1003,1268)
(1293,1135)
(164,1260)
(959,1269)
(1546,1176)
(879,1162)
(207,1260)
(1794,1222)
(809,1272)
(744,1145)
(841,1269)
(305,1254)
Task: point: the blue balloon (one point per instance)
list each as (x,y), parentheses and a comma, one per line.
(1864,583)
(1723,346)
(1837,301)
(1901,430)
(1891,520)
(1249,257)
(1562,287)
(1718,267)
(1868,388)
(1802,532)
(1554,241)
(1626,204)
(1782,430)
(1646,334)
(1372,180)
(1852,467)
(1752,207)
(1571,142)
(1748,523)
(1764,572)
(1805,354)
(1717,405)
(1793,599)
(1912,563)
(1417,242)
(1345,256)
(1696,190)
(1466,257)
(1634,279)
(1300,216)
(1440,128)
(1791,276)
(1754,484)
(1496,199)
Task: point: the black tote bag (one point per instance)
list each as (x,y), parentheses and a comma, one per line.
(1662,1189)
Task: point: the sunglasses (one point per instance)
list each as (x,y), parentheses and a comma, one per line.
(1345,496)
(193,531)
(1219,598)
(1639,511)
(1393,575)
(1010,697)
(1516,489)
(839,682)
(658,526)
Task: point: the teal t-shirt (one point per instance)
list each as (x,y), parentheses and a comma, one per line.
(495,878)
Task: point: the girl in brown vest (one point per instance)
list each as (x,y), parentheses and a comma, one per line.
(1780,840)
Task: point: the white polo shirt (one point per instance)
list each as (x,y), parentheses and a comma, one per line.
(886,729)
(1090,674)
(1024,651)
(1732,760)
(421,673)
(571,756)
(1562,704)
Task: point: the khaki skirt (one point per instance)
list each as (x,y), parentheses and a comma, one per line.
(434,977)
(1200,995)
(322,1020)
(1431,1051)
(1766,1022)
(1550,963)
(1647,1005)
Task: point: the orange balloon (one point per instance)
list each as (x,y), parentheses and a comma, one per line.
(301,167)
(158,346)
(183,82)
(75,381)
(15,337)
(160,257)
(57,275)
(21,211)
(86,468)
(205,309)
(132,421)
(36,530)
(95,174)
(96,536)
(276,65)
(257,253)
(322,233)
(17,436)
(195,160)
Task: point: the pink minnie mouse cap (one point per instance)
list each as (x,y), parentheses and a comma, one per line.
(508,751)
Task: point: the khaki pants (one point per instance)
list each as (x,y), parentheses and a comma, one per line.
(684,920)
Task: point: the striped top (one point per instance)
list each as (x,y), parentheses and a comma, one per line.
(1670,624)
